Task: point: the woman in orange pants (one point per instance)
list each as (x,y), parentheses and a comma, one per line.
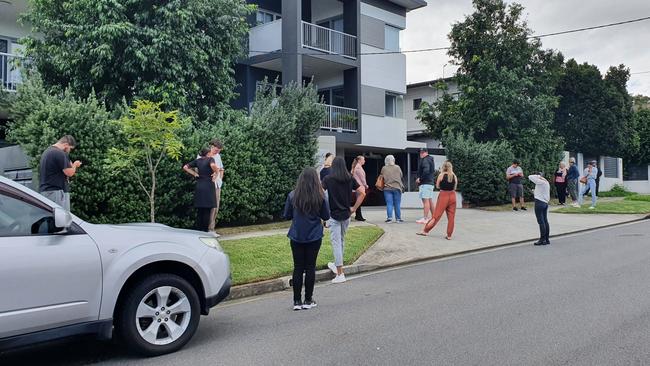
(447,184)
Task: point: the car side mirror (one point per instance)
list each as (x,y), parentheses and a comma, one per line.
(62,218)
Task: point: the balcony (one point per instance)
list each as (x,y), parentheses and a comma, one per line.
(340,119)
(328,40)
(10,76)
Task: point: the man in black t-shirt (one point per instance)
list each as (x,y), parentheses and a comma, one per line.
(339,185)
(55,169)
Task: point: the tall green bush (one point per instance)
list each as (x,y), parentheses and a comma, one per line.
(40,118)
(480,167)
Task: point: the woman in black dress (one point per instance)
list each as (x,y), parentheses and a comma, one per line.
(203,170)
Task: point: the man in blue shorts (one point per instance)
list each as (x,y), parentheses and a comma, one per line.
(425,181)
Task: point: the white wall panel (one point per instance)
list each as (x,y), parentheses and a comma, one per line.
(383,71)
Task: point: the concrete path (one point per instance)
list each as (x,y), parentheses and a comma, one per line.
(475,229)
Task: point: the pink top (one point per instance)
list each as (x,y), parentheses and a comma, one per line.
(360,176)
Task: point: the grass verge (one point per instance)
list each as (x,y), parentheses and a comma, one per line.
(251,228)
(267,257)
(627,206)
(639,197)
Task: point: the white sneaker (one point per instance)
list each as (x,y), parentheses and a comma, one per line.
(423,220)
(575,205)
(332,267)
(592,207)
(339,279)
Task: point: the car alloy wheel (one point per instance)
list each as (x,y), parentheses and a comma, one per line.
(163,315)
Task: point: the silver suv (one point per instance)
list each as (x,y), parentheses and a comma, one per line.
(60,276)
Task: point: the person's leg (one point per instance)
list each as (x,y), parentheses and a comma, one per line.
(336,240)
(513,195)
(562,193)
(539,212)
(573,190)
(311,254)
(592,186)
(547,232)
(520,192)
(298,251)
(215,210)
(451,214)
(440,209)
(388,197)
(202,218)
(581,193)
(397,202)
(432,207)
(426,205)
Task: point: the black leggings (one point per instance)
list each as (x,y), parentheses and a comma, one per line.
(203,218)
(304,261)
(541,213)
(561,191)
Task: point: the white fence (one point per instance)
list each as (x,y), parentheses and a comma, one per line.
(328,40)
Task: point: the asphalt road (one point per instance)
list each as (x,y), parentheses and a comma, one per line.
(583,300)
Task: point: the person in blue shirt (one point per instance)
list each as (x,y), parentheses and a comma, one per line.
(307,207)
(572,181)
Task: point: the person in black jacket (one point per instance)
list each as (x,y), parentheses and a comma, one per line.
(425,182)
(307,208)
(205,197)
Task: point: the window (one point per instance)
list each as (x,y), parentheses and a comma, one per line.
(265,16)
(391,105)
(19,218)
(391,35)
(416,103)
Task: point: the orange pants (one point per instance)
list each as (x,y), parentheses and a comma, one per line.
(446,203)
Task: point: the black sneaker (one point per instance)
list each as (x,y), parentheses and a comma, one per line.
(515,209)
(297,305)
(539,242)
(388,221)
(360,219)
(309,304)
(523,209)
(547,242)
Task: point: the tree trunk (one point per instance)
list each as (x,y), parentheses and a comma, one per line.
(152,198)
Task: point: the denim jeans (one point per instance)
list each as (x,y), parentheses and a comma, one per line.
(591,186)
(541,213)
(393,199)
(337,239)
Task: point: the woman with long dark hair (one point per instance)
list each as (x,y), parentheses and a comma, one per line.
(360,176)
(338,184)
(203,168)
(307,208)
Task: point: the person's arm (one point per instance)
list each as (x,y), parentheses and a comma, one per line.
(439,180)
(536,179)
(325,210)
(455,182)
(188,168)
(361,195)
(288,208)
(69,169)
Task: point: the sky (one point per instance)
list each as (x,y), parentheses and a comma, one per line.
(627,44)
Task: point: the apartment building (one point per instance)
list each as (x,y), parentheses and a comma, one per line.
(349,49)
(13,162)
(417,93)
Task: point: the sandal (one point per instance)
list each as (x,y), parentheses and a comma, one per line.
(422,233)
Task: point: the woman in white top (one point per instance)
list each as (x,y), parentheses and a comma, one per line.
(542,197)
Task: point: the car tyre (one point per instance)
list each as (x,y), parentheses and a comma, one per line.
(159,315)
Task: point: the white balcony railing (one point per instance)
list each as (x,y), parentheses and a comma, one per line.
(10,76)
(340,119)
(328,40)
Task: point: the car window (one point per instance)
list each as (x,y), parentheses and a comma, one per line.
(19,218)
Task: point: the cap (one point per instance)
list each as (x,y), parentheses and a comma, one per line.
(594,162)
(424,149)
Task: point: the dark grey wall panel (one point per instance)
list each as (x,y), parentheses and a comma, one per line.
(373,101)
(372,32)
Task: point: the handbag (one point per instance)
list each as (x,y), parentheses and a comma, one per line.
(380,183)
(583,180)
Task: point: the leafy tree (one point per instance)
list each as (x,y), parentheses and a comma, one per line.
(595,113)
(506,82)
(177,52)
(151,135)
(38,119)
(642,126)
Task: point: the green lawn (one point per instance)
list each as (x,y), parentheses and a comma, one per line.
(627,206)
(232,230)
(266,257)
(639,197)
